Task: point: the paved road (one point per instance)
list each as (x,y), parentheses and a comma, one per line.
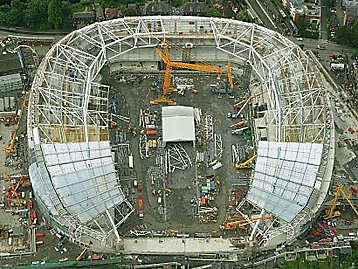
(262,13)
(324,21)
(282,23)
(340,13)
(5,34)
(329,46)
(173,245)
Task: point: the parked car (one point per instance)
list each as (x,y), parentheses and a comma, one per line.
(140,186)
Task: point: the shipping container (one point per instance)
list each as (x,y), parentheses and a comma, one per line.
(7,103)
(59,236)
(2,107)
(39,234)
(217,165)
(130,161)
(151,132)
(12,102)
(40,243)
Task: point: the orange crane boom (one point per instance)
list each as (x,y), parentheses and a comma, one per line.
(165,56)
(241,223)
(229,76)
(198,67)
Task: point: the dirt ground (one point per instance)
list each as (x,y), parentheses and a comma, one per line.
(134,94)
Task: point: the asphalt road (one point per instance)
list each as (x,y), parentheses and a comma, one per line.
(262,13)
(340,13)
(5,34)
(324,21)
(283,24)
(329,46)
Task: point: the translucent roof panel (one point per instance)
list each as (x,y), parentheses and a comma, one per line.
(285,176)
(84,177)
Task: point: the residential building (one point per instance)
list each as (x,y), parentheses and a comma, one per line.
(156,8)
(194,8)
(351,14)
(111,13)
(296,8)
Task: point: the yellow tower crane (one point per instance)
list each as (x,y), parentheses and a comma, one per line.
(165,56)
(331,213)
(12,147)
(229,76)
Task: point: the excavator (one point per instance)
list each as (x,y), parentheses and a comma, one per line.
(228,84)
(12,147)
(165,56)
(245,164)
(332,213)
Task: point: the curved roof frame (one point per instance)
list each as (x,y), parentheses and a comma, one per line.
(297,103)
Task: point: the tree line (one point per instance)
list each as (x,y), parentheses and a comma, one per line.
(348,35)
(36,14)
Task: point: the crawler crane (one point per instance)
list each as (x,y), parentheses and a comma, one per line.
(12,147)
(165,56)
(229,76)
(245,164)
(331,213)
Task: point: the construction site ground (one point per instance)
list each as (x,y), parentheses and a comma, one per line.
(134,92)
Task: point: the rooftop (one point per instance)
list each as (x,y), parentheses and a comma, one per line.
(10,63)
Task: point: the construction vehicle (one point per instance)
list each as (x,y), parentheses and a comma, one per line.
(140,208)
(165,56)
(246,164)
(240,224)
(228,84)
(12,147)
(225,90)
(331,213)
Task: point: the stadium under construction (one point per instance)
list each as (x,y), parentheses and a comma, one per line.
(160,134)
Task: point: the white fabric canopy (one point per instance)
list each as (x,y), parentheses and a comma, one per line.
(178,124)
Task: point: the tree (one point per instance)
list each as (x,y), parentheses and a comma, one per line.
(4,11)
(36,14)
(67,22)
(213,12)
(330,3)
(15,16)
(54,14)
(302,24)
(343,35)
(129,12)
(177,3)
(355,35)
(348,35)
(244,15)
(5,2)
